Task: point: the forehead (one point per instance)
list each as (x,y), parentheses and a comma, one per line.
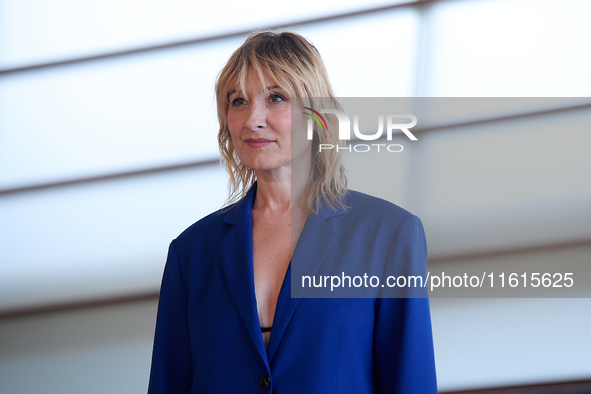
(254,84)
(254,80)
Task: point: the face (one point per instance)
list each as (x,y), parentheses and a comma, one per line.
(260,126)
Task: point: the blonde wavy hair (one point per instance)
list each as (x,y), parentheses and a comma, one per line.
(295,65)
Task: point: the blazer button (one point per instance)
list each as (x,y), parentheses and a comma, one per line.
(265,381)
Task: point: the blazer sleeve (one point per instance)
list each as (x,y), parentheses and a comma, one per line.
(403,340)
(171,358)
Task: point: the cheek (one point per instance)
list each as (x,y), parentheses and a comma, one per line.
(298,120)
(233,126)
(299,140)
(283,121)
(298,130)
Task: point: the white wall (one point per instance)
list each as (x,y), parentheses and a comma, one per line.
(98,350)
(108,239)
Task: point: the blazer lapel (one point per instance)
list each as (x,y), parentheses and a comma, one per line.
(236,257)
(315,242)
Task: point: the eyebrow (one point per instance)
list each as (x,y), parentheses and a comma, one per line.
(239,91)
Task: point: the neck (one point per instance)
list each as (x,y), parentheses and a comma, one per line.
(283,190)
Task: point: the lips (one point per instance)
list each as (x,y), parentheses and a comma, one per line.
(257,142)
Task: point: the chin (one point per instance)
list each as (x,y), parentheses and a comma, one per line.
(263,165)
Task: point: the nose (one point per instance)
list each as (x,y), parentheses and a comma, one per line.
(257,117)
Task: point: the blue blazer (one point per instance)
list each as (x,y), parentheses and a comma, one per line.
(208,337)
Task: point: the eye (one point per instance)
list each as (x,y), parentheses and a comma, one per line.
(238,101)
(276,98)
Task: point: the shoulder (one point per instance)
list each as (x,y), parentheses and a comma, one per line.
(204,225)
(206,232)
(371,217)
(363,206)
(384,223)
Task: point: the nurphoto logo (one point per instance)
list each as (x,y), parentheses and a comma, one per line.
(391,125)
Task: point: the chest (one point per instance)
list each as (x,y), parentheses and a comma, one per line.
(271,257)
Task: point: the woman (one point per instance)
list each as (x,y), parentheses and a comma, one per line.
(227,322)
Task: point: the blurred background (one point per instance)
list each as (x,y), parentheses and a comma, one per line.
(108,151)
